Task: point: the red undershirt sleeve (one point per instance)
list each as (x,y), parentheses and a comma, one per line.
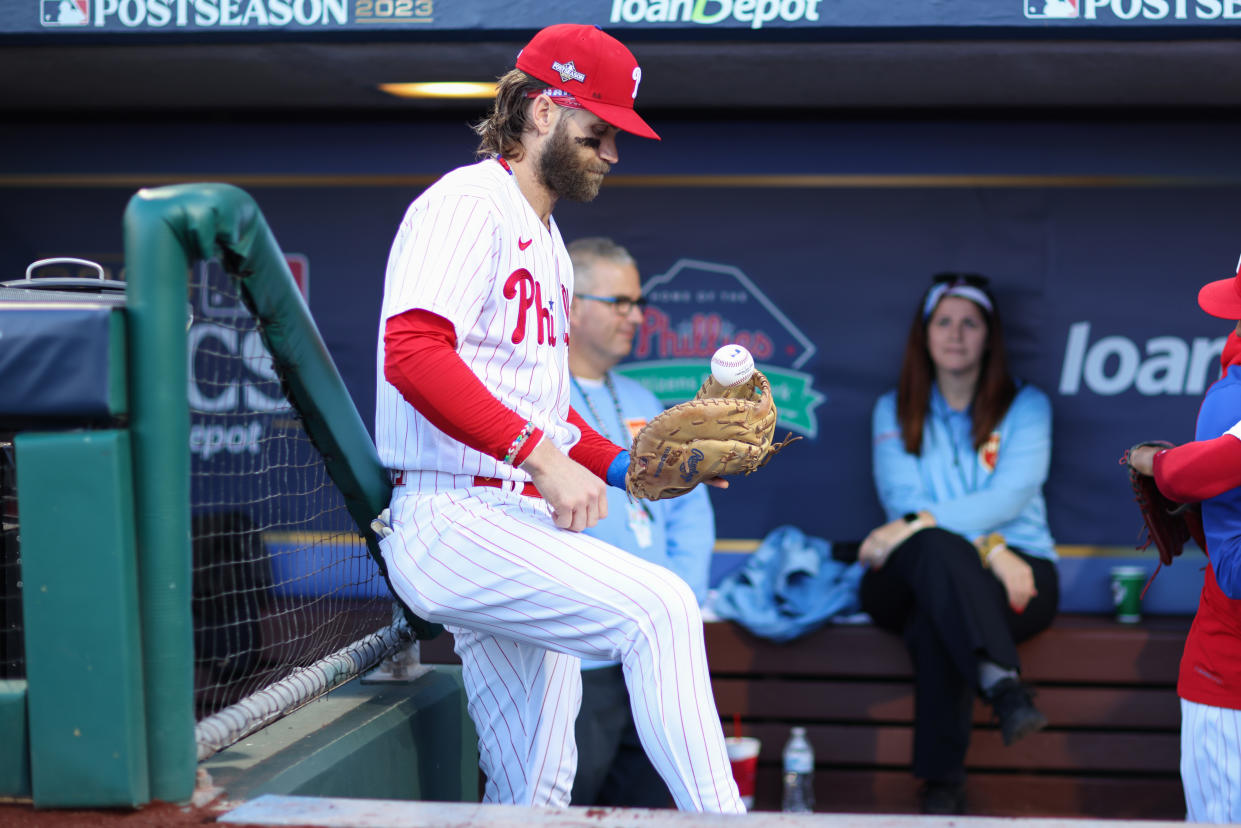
(594,451)
(421,361)
(1199,470)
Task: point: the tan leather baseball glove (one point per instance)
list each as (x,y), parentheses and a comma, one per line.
(721,432)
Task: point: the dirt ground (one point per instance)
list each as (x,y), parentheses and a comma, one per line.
(154,815)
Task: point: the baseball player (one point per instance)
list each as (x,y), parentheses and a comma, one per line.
(1210,677)
(496,475)
(678,533)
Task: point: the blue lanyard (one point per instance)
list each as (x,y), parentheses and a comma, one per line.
(620,419)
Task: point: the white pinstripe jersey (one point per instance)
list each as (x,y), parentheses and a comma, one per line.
(472,250)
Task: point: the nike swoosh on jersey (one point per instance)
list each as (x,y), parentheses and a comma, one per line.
(522,245)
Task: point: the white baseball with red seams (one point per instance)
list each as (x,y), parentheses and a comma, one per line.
(732,365)
(524,599)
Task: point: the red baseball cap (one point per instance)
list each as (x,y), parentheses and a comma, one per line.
(593,67)
(1222,298)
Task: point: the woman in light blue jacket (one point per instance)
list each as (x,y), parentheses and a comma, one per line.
(966,567)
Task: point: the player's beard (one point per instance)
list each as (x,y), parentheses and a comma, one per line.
(564,172)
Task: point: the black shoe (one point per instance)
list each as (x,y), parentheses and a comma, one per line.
(1013,705)
(943,798)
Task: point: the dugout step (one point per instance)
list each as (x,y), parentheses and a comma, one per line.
(355,813)
(405,741)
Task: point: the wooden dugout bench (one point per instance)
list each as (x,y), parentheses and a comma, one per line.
(1111,749)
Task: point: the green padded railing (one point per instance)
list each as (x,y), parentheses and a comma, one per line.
(166,230)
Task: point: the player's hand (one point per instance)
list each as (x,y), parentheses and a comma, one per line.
(1142,459)
(1016,576)
(382,524)
(578,498)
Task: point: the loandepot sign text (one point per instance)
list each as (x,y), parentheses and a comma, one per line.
(706,12)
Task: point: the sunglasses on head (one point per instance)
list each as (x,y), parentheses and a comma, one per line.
(950,278)
(970,285)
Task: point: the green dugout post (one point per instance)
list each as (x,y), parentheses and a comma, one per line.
(156,263)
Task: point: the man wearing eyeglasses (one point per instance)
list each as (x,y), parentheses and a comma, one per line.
(678,533)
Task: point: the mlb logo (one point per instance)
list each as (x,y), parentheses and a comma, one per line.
(218,297)
(1050,9)
(64,12)
(299,266)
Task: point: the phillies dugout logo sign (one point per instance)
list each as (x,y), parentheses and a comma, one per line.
(698,307)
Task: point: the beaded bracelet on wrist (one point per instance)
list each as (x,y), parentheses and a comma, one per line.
(514,447)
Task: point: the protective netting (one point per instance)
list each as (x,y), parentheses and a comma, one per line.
(281,577)
(12,653)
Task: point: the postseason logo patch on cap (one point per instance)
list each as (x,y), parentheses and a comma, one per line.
(568,72)
(607,71)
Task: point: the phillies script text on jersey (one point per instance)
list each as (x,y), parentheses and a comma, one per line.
(522,286)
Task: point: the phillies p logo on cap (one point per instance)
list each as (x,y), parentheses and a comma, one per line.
(593,67)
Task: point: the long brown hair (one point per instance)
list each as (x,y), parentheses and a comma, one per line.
(501,130)
(992,395)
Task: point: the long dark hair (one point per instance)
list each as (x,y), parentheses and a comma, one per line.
(995,389)
(500,131)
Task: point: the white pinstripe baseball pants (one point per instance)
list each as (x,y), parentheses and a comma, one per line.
(1211,762)
(526,601)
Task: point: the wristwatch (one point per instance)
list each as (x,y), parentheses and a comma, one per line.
(918,520)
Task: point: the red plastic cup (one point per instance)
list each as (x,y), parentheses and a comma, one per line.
(743,756)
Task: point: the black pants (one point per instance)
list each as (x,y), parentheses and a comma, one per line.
(952,613)
(612,768)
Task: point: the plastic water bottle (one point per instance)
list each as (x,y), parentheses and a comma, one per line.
(798,774)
